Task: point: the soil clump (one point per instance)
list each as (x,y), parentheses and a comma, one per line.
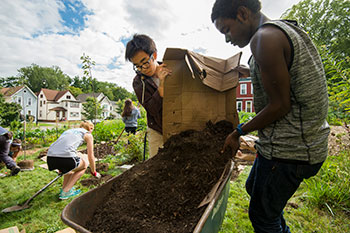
(162,194)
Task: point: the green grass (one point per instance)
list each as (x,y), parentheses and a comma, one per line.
(45,210)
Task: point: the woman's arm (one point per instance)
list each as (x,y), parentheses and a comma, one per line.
(90,150)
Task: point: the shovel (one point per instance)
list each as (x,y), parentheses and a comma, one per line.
(26,204)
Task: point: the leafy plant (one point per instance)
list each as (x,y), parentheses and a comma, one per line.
(330,189)
(245,116)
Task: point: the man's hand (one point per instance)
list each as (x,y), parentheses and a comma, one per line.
(161,73)
(232,141)
(244,71)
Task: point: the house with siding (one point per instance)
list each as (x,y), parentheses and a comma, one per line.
(23,96)
(105,102)
(244,95)
(58,105)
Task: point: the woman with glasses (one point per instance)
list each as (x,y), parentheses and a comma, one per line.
(148,85)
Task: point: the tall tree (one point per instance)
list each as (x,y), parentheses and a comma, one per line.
(327,22)
(92,109)
(36,77)
(9,112)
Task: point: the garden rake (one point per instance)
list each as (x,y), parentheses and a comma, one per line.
(26,204)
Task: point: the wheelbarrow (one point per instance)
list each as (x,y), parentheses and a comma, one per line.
(77,212)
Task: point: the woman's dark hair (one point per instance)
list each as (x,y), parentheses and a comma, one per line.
(229,8)
(139,42)
(128,107)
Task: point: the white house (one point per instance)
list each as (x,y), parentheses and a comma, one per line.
(106,104)
(24,96)
(58,105)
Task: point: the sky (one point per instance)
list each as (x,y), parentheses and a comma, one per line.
(58,32)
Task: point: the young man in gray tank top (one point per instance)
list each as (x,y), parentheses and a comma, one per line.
(291,101)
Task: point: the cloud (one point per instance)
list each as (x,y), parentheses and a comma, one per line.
(57,33)
(150,17)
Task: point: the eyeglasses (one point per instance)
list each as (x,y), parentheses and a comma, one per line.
(144,65)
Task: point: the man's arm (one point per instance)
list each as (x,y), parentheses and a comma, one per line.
(272,52)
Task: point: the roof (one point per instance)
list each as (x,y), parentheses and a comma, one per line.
(83,97)
(53,95)
(9,91)
(58,109)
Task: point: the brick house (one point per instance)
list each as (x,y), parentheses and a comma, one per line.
(244,95)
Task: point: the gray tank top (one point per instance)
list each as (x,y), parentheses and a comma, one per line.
(302,134)
(67,144)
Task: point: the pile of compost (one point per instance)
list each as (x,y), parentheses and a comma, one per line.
(163,193)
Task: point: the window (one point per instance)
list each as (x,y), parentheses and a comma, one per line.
(66,104)
(239,106)
(19,100)
(243,89)
(248,106)
(68,97)
(29,101)
(74,114)
(25,91)
(29,112)
(41,103)
(251,89)
(74,105)
(40,113)
(41,96)
(44,102)
(105,106)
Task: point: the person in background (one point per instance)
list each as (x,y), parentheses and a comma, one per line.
(62,155)
(291,102)
(130,115)
(5,142)
(15,148)
(148,85)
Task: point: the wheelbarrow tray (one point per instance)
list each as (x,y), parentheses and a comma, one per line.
(77,212)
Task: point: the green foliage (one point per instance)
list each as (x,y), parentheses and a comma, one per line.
(134,150)
(9,112)
(330,189)
(92,109)
(327,22)
(246,116)
(107,130)
(75,90)
(37,77)
(337,74)
(15,126)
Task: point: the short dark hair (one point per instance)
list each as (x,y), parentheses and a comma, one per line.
(139,42)
(229,8)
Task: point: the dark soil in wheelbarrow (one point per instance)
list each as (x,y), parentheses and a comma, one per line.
(162,194)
